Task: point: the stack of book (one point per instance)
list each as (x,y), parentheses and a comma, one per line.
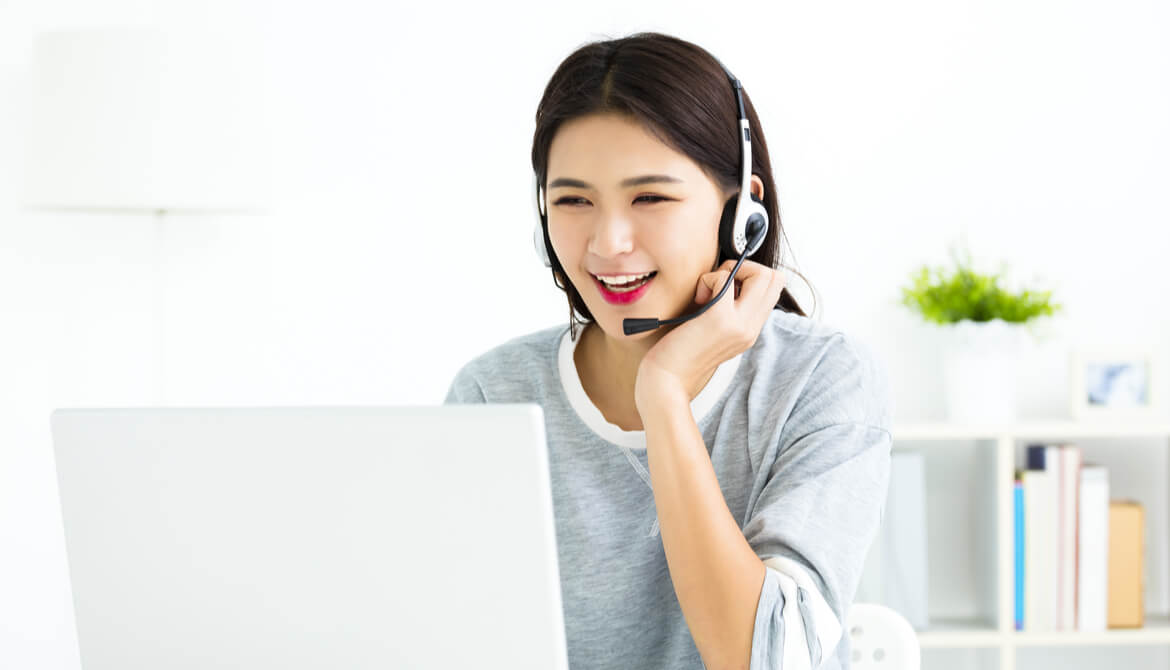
(1078,554)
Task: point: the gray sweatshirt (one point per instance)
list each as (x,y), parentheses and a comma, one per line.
(798,430)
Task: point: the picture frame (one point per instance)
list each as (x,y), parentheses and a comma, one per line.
(1115,384)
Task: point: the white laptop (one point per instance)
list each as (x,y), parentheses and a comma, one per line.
(310,537)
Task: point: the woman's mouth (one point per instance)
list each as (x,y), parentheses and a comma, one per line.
(625,292)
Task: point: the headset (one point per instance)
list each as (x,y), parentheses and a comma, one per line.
(742,227)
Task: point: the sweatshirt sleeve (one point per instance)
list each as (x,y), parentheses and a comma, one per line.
(820,509)
(464,388)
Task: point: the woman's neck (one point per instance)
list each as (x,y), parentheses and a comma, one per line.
(608,369)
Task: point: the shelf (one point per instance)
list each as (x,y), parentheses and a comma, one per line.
(976,486)
(974,633)
(959,633)
(1039,430)
(1156,631)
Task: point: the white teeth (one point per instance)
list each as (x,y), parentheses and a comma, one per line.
(623,279)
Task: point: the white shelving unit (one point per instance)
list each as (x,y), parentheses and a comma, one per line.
(1001,449)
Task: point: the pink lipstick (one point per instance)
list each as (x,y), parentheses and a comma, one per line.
(623,297)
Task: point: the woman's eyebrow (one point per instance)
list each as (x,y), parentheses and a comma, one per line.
(632,181)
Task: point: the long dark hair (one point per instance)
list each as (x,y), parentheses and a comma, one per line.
(682,95)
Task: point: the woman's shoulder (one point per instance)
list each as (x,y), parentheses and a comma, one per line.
(793,339)
(831,372)
(514,363)
(520,350)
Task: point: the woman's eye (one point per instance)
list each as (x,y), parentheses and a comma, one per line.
(571,201)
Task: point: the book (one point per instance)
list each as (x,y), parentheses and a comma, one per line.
(1058,538)
(1093,548)
(1018,546)
(1126,552)
(1039,551)
(1069,511)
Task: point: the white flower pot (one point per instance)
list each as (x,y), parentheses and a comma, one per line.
(979,370)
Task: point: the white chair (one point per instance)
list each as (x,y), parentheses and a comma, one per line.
(882,638)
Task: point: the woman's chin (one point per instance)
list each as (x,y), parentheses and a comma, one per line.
(612,325)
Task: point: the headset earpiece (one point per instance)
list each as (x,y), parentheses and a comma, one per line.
(749,233)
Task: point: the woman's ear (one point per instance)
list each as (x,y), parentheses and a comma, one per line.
(756,185)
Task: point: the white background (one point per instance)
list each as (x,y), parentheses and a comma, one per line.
(399,245)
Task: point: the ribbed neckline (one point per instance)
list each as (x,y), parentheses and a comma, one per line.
(701,405)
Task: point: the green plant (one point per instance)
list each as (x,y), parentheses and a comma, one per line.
(966,294)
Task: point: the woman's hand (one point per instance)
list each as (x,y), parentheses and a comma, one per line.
(683,360)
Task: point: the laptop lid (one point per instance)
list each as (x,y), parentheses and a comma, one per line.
(310,537)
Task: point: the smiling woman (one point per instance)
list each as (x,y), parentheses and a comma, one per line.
(717,480)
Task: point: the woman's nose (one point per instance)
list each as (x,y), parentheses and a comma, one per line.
(612,235)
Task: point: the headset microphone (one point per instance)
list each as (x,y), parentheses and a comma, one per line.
(631,326)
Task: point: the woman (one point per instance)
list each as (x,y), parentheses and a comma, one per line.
(716,482)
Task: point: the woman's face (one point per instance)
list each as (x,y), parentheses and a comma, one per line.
(599,225)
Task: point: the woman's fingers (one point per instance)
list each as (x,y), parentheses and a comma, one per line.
(710,284)
(754,283)
(753,280)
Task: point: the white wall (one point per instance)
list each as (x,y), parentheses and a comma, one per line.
(1038,128)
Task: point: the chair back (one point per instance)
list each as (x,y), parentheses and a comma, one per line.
(880,637)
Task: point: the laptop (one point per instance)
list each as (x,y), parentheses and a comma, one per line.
(310,537)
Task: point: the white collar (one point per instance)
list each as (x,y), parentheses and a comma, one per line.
(633,439)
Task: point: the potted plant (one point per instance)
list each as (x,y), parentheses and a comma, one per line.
(982,325)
